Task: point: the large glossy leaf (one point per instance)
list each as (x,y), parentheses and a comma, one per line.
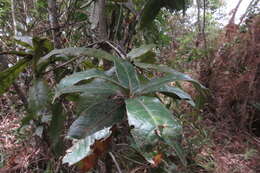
(82,148)
(171,92)
(98,88)
(141,52)
(126,74)
(172,75)
(96,117)
(8,76)
(152,121)
(72,52)
(68,82)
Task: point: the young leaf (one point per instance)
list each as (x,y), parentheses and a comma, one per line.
(151,121)
(102,114)
(126,75)
(8,76)
(82,148)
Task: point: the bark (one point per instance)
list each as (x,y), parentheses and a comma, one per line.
(198,15)
(232,20)
(53,19)
(13,18)
(102,25)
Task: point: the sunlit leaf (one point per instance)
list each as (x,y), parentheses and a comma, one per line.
(152,122)
(82,148)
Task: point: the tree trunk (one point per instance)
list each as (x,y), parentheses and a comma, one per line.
(13,18)
(102,25)
(53,19)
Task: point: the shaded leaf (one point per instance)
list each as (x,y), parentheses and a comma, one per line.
(150,11)
(56,127)
(90,88)
(8,76)
(68,82)
(82,148)
(141,52)
(126,75)
(39,96)
(74,51)
(100,115)
(151,122)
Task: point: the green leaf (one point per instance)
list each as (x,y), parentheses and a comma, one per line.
(82,148)
(151,121)
(56,127)
(141,52)
(150,11)
(25,41)
(98,116)
(172,75)
(8,76)
(68,82)
(39,96)
(171,92)
(74,51)
(126,74)
(92,88)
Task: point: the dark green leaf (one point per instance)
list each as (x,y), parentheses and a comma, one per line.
(8,76)
(56,127)
(126,74)
(150,11)
(92,88)
(151,121)
(39,96)
(68,82)
(82,148)
(98,116)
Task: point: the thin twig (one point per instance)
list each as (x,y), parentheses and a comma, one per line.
(59,66)
(114,159)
